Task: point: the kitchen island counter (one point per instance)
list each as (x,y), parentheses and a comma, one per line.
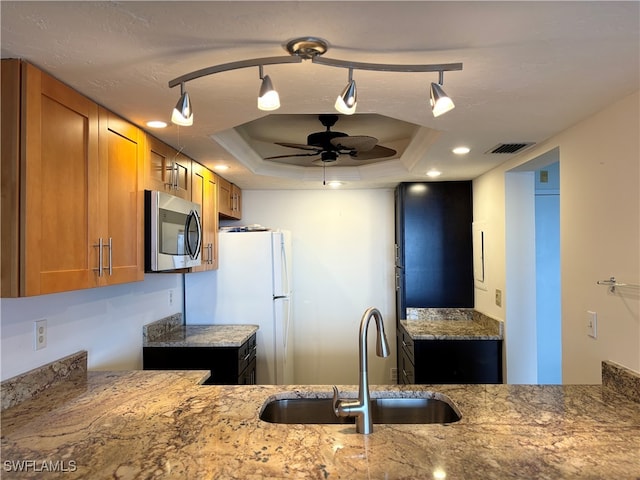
(148,424)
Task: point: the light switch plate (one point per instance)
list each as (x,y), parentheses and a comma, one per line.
(498,297)
(592,324)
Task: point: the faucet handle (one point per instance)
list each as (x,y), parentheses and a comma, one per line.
(336,401)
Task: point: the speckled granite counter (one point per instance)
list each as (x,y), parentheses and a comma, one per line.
(204,336)
(170,332)
(451,324)
(146,424)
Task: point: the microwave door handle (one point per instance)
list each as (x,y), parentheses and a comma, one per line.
(195,250)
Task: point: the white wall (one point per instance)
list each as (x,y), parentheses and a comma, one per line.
(107,322)
(342,263)
(600,237)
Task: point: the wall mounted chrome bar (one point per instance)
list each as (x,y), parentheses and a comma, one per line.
(612,283)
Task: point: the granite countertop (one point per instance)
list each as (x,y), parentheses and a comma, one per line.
(451,324)
(204,336)
(448,330)
(149,424)
(170,332)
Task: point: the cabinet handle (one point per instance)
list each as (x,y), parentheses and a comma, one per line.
(397,281)
(110,256)
(173,177)
(210,248)
(99,247)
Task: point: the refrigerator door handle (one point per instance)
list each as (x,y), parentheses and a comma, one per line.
(285,269)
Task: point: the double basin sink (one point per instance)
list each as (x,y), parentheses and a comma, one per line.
(396,410)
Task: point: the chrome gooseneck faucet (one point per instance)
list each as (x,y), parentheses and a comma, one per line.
(361,408)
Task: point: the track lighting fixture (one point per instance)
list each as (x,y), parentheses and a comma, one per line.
(440,101)
(311,48)
(182,114)
(347,100)
(268,98)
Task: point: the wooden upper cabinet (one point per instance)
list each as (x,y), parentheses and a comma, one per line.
(56,163)
(229,199)
(205,192)
(166,169)
(62,189)
(121,199)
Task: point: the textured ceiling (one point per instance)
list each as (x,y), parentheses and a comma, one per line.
(531,70)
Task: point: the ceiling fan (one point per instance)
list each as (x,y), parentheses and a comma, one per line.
(329,145)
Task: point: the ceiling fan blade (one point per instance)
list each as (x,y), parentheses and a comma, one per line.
(361,143)
(299,146)
(376,152)
(312,154)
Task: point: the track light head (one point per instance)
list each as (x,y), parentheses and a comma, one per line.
(268,98)
(348,99)
(182,113)
(440,102)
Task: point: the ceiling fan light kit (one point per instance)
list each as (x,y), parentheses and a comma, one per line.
(312,48)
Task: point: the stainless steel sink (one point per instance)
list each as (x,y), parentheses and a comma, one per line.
(383,410)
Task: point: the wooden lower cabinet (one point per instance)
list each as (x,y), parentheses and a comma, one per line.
(448,361)
(228,365)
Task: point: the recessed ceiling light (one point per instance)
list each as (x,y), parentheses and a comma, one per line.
(157,124)
(221,167)
(461,150)
(433,173)
(335,184)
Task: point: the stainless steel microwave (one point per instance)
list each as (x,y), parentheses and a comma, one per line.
(173,232)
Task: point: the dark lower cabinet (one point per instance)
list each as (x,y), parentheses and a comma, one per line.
(448,361)
(228,365)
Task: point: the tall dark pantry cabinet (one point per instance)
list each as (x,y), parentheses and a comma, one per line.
(434,253)
(434,270)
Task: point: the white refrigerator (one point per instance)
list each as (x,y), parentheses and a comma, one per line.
(251,286)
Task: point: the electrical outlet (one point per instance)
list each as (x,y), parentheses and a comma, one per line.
(393,375)
(498,297)
(40,331)
(171,295)
(592,324)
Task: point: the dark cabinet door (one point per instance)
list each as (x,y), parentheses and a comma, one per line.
(433,223)
(458,361)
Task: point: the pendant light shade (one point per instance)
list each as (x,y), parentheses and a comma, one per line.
(348,99)
(182,113)
(268,98)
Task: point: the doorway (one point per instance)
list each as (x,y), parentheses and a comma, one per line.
(533,310)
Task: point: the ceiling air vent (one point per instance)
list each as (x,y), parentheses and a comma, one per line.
(509,148)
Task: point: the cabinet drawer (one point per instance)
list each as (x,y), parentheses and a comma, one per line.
(406,342)
(406,370)
(247,353)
